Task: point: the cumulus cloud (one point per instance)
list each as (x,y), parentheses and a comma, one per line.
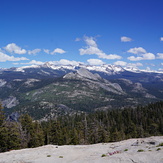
(159,55)
(5,57)
(133,58)
(66,62)
(34,62)
(120,63)
(58,50)
(136,50)
(13,48)
(110,56)
(90,41)
(135,65)
(146,56)
(160,69)
(47,51)
(125,39)
(92,48)
(148,68)
(141,54)
(95,62)
(34,52)
(161,38)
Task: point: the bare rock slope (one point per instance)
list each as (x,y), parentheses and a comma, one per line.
(143,150)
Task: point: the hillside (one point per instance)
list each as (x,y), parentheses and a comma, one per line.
(144,150)
(41,90)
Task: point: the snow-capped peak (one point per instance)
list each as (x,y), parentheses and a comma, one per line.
(105,68)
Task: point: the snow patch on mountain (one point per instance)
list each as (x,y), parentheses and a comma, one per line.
(22,69)
(105,68)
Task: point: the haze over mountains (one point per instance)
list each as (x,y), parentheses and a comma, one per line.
(48,90)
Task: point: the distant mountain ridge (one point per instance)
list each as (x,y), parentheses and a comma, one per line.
(78,88)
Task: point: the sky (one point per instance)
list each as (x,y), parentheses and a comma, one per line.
(128,33)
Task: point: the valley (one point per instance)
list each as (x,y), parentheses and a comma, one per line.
(41,90)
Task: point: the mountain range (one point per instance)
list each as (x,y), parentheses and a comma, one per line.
(47,90)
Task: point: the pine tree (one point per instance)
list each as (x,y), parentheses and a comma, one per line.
(34,133)
(2,117)
(56,136)
(3,139)
(9,136)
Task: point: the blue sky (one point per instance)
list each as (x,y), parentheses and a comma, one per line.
(119,32)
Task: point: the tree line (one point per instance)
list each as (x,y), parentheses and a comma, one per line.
(102,126)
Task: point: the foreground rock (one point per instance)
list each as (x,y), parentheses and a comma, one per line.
(147,150)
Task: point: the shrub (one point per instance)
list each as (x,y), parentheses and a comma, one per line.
(48,155)
(161,144)
(158,149)
(60,156)
(126,150)
(140,150)
(103,155)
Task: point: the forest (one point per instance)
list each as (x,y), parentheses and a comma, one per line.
(97,127)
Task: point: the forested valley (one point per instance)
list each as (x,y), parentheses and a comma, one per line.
(98,127)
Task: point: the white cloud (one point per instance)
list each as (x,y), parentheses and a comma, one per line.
(5,57)
(66,62)
(146,56)
(125,39)
(160,69)
(34,62)
(110,56)
(142,54)
(34,52)
(120,63)
(135,65)
(92,48)
(47,51)
(90,41)
(58,50)
(148,68)
(95,61)
(161,39)
(133,58)
(138,50)
(13,48)
(159,55)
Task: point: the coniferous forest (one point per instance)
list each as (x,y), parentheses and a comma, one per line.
(97,127)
